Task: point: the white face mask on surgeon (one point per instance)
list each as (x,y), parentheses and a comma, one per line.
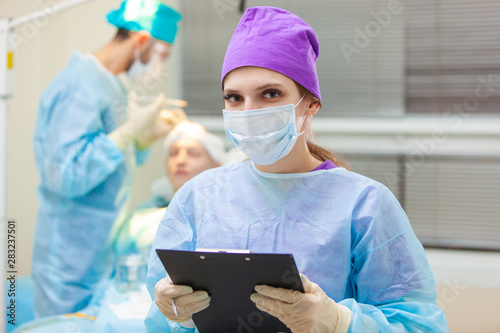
(264,135)
(139,71)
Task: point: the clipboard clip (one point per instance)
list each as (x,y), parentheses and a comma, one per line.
(242,251)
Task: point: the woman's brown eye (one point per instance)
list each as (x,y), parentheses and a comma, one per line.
(232,98)
(271,94)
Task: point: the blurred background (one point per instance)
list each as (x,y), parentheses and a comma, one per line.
(411,98)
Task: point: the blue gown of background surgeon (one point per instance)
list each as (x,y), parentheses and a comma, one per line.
(81,173)
(347,233)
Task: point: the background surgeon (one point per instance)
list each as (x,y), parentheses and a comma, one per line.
(88,139)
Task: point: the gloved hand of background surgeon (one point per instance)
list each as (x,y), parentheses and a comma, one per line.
(312,311)
(164,123)
(139,120)
(188,301)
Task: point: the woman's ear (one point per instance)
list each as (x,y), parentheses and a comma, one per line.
(313,106)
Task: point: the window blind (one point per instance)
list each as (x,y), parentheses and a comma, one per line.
(454,202)
(207,30)
(451,202)
(453,56)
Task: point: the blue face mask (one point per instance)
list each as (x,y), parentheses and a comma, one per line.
(264,135)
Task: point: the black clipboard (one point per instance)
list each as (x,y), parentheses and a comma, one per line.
(229,279)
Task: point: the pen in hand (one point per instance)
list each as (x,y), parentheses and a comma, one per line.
(174,306)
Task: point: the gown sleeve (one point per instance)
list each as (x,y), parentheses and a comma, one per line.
(174,233)
(394,288)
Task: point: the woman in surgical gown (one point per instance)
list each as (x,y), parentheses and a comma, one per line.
(363,268)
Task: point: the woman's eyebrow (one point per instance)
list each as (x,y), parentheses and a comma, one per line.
(270,85)
(266,86)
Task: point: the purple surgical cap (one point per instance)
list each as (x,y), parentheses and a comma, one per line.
(276,39)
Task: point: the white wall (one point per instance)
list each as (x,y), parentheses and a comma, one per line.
(44,48)
(468,288)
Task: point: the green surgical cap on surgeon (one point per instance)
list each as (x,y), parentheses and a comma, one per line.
(149,15)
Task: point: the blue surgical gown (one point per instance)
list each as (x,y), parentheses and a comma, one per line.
(346,232)
(82,176)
